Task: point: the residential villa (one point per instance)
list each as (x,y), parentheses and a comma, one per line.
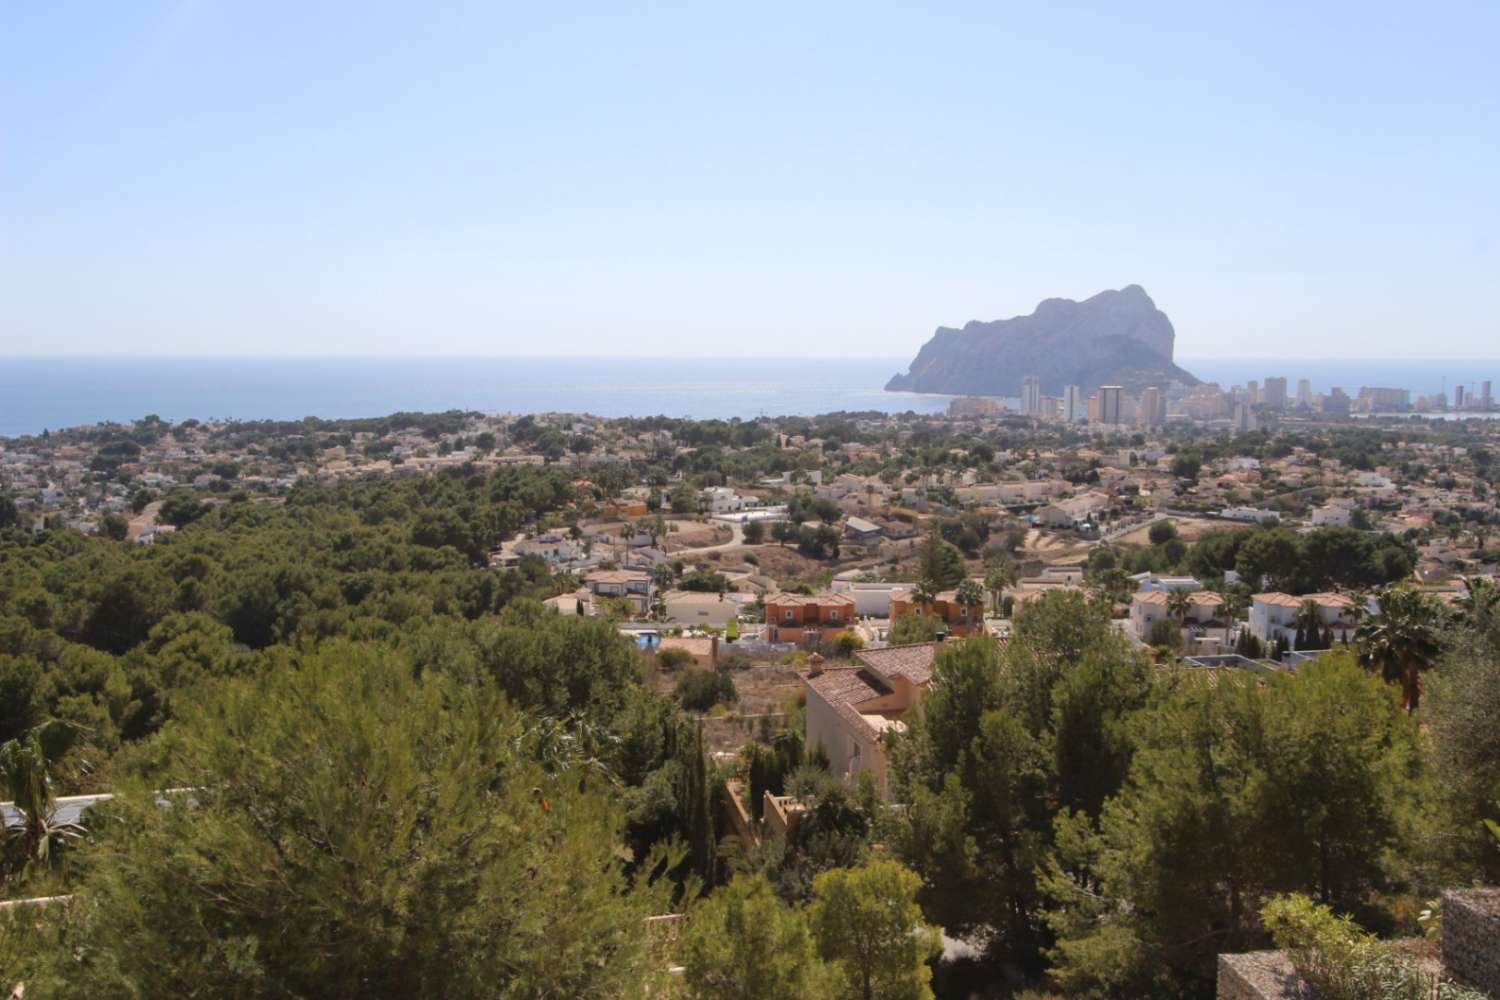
(961,619)
(871,599)
(575,602)
(696,607)
(807,617)
(1152,581)
(623,509)
(553,549)
(1274,615)
(1204,613)
(1250,514)
(850,708)
(1334,513)
(631,584)
(726,500)
(1073,512)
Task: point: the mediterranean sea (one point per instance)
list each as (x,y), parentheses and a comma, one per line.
(38,393)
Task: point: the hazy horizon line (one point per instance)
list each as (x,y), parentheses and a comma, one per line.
(443,356)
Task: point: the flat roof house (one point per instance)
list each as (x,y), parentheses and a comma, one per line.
(857,529)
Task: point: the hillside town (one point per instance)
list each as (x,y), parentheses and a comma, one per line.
(805,592)
(783,535)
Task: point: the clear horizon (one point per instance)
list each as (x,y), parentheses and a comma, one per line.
(189,178)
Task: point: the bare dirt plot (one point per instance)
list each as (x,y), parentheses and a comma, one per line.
(694,535)
(763,692)
(1190,528)
(1046,547)
(777,562)
(140,522)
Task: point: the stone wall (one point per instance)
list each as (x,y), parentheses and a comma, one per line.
(1258,975)
(1471,937)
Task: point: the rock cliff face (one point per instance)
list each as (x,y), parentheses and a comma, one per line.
(1113,338)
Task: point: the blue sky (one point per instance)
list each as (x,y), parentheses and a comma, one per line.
(800,179)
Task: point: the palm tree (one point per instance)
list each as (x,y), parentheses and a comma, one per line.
(1001,575)
(1402,639)
(923,594)
(1179,604)
(970,594)
(24,762)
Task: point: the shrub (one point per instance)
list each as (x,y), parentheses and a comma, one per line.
(700,690)
(1340,961)
(846,643)
(1164,632)
(1162,532)
(674,659)
(735,662)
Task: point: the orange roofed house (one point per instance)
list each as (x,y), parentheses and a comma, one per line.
(849,709)
(807,617)
(961,619)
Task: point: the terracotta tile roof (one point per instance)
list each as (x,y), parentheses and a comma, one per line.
(1329,600)
(913,661)
(1340,601)
(845,687)
(1200,598)
(617,576)
(810,600)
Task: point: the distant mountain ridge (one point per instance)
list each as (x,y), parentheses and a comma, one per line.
(1117,337)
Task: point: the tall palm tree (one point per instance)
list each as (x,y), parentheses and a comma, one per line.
(1402,639)
(24,762)
(1179,604)
(923,593)
(1000,576)
(970,593)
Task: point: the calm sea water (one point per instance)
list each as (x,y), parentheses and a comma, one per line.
(38,393)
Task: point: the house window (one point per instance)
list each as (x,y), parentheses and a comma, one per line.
(833,616)
(789,614)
